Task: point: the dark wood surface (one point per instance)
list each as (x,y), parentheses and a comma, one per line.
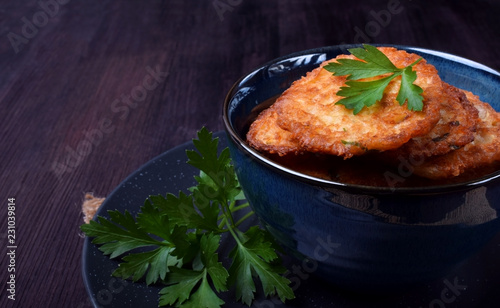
(91,90)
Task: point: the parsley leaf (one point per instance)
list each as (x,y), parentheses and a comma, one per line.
(174,239)
(122,233)
(157,261)
(223,184)
(186,210)
(119,234)
(254,253)
(373,65)
(359,94)
(409,91)
(182,282)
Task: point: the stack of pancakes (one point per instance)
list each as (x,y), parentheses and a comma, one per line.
(454,133)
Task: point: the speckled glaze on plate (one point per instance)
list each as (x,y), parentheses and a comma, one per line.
(170,173)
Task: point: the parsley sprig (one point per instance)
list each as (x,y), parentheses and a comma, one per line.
(357,94)
(175,239)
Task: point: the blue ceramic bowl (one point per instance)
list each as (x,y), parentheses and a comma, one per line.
(361,237)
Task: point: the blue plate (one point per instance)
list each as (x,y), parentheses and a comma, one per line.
(473,284)
(169,172)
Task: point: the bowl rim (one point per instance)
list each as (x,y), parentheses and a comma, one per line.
(328,184)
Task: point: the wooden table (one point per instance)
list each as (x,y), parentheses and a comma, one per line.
(91,90)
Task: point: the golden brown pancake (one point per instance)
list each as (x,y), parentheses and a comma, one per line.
(308,111)
(265,135)
(456,127)
(483,151)
(456,137)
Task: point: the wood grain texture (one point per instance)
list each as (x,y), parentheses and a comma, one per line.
(81,108)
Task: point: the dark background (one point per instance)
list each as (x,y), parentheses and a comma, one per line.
(68,67)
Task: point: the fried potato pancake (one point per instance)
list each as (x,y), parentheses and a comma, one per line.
(454,130)
(265,135)
(456,137)
(308,111)
(481,152)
